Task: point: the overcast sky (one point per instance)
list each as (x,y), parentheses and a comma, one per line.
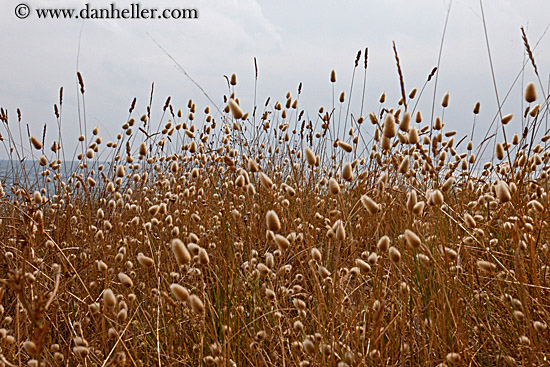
(293,41)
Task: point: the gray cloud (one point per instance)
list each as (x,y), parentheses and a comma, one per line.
(293,41)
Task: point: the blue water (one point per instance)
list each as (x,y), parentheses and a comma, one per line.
(28,174)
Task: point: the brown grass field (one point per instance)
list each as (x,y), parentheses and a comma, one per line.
(265,238)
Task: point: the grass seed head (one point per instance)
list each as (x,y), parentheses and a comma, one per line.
(204,259)
(109,299)
(145,260)
(310,157)
(265,181)
(333,186)
(530,93)
(395,255)
(405,122)
(316,254)
(389,126)
(445,101)
(347,172)
(196,304)
(181,293)
(339,230)
(437,198)
(181,253)
(272,221)
(413,135)
(333,76)
(36,143)
(235,109)
(446,186)
(486,266)
(345,146)
(506,119)
(125,280)
(383,243)
(81,351)
(503,192)
(369,204)
(309,346)
(412,239)
(363,266)
(453,358)
(282,242)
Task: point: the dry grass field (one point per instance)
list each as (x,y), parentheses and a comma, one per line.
(270,238)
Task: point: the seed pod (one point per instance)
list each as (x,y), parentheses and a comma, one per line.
(486,266)
(203,257)
(389,126)
(411,200)
(437,198)
(196,304)
(369,204)
(342,97)
(30,347)
(309,347)
(333,186)
(470,221)
(445,101)
(418,208)
(499,150)
(109,299)
(235,109)
(145,260)
(383,244)
(386,143)
(120,171)
(453,358)
(81,351)
(539,326)
(412,239)
(413,135)
(270,294)
(347,172)
(404,124)
(282,242)
(530,92)
(125,280)
(36,143)
(263,269)
(316,254)
(253,165)
(181,293)
(180,252)
(310,157)
(333,76)
(265,181)
(272,221)
(418,117)
(340,230)
(448,184)
(503,192)
(395,255)
(364,266)
(143,149)
(404,166)
(345,146)
(534,111)
(506,119)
